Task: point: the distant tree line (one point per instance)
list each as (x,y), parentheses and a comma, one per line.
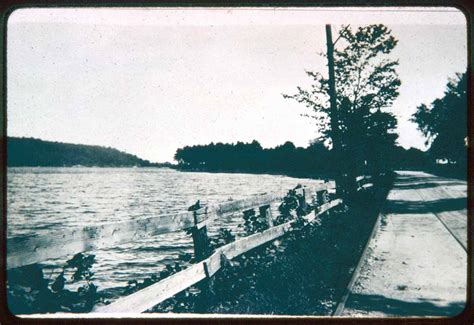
(314,160)
(35,152)
(444,123)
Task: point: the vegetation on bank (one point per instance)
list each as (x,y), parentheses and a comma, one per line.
(29,291)
(31,152)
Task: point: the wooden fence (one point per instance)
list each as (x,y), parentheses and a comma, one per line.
(24,251)
(65,243)
(364,182)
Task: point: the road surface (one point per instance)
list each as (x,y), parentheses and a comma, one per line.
(416,262)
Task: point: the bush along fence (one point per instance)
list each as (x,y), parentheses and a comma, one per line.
(257,213)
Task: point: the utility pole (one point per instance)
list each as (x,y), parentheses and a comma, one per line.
(336,145)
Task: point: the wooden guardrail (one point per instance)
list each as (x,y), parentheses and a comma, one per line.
(152,295)
(32,250)
(24,251)
(364,182)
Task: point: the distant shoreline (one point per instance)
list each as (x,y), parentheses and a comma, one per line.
(177,168)
(273,173)
(437,170)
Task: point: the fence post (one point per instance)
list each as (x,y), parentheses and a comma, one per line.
(321,198)
(266,211)
(303,204)
(202,248)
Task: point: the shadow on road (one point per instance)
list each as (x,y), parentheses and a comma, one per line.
(397,307)
(420,207)
(420,185)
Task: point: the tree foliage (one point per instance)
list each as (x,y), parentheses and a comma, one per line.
(444,121)
(314,160)
(366,83)
(251,157)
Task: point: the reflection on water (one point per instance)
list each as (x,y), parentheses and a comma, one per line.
(43,200)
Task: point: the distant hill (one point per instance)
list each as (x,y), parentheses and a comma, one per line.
(35,152)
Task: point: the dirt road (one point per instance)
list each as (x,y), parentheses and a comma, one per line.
(416,262)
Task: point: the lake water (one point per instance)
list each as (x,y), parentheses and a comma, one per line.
(45,200)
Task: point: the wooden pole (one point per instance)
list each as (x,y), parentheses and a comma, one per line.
(336,145)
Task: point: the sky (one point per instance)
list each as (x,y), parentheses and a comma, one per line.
(148,81)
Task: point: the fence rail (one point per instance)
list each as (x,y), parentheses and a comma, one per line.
(32,250)
(25,251)
(148,297)
(21,251)
(364,182)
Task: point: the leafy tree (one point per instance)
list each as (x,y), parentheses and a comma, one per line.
(444,122)
(366,83)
